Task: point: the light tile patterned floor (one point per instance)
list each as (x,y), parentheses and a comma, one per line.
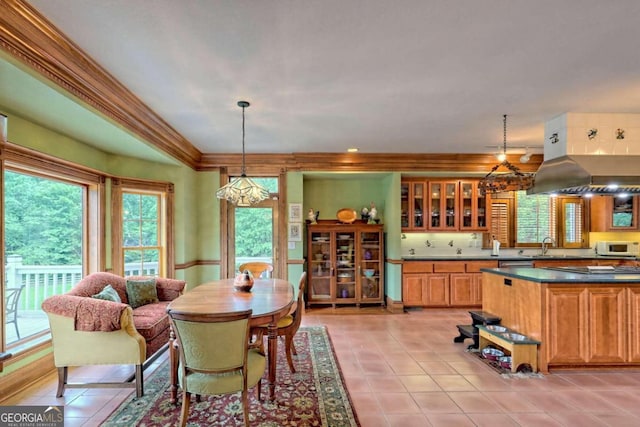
(405,370)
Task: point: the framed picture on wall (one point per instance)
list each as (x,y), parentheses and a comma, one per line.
(295,232)
(295,212)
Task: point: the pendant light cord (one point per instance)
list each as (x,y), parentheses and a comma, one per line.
(243,167)
(504,134)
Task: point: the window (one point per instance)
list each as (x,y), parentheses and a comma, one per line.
(561,218)
(51,212)
(142,214)
(141,233)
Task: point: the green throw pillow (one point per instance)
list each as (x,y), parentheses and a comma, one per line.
(141,292)
(108,294)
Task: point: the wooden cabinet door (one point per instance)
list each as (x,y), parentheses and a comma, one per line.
(566,335)
(463,292)
(412,285)
(474,212)
(614,213)
(607,340)
(435,291)
(633,296)
(443,212)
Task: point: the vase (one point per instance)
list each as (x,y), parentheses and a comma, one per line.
(243,281)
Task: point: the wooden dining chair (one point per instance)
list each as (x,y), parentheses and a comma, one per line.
(288,326)
(256,268)
(216,357)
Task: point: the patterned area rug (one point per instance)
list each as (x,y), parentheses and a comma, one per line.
(314,396)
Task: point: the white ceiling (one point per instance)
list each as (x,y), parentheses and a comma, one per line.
(398,76)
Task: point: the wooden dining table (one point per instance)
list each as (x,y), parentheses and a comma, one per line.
(270,300)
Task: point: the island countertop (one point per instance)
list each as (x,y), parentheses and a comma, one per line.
(507,257)
(543,275)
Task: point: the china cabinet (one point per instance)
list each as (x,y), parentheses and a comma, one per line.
(345,263)
(443,205)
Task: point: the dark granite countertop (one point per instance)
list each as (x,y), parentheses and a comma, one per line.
(505,257)
(543,275)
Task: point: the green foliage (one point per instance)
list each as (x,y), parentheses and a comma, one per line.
(43,220)
(254,228)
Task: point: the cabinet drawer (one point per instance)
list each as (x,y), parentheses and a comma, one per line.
(448,267)
(475,266)
(417,267)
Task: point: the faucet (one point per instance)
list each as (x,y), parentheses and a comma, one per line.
(545,247)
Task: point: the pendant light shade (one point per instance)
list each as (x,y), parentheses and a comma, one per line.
(242,191)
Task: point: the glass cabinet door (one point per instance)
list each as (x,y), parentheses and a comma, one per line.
(404,205)
(320,269)
(435,204)
(370,262)
(345,257)
(451,205)
(418,205)
(473,207)
(623,213)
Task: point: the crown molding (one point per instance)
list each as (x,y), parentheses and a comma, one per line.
(37,43)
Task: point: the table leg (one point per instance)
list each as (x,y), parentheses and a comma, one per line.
(272,347)
(173,368)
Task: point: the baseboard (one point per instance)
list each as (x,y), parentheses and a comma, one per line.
(394,307)
(16,381)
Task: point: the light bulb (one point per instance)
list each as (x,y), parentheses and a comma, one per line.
(501,157)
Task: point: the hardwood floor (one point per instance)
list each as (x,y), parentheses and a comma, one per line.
(405,370)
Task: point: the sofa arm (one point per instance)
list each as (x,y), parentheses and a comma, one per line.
(78,348)
(88,314)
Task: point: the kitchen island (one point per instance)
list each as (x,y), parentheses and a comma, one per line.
(582,320)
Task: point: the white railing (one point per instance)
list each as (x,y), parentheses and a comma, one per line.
(43,281)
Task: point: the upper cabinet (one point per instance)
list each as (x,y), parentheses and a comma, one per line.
(615,213)
(443,205)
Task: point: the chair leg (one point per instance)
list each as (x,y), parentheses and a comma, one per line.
(184,413)
(62,380)
(245,407)
(288,340)
(139,381)
(259,389)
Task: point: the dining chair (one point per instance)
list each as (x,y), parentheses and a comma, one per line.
(288,325)
(12,298)
(256,268)
(215,357)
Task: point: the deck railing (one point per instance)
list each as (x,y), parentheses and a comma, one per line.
(43,281)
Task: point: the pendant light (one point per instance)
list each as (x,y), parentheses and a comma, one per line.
(506,181)
(243,191)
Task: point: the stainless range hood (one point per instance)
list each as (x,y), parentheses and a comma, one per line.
(590,153)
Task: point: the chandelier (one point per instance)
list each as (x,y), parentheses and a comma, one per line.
(242,191)
(513,180)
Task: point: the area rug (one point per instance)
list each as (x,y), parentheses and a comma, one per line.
(314,396)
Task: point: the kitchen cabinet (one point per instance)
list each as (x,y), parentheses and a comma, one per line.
(345,263)
(443,283)
(443,205)
(615,213)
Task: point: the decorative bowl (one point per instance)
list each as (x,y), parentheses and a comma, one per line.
(491,353)
(343,262)
(344,248)
(318,257)
(369,272)
(346,215)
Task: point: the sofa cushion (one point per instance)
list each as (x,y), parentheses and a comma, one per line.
(108,294)
(151,320)
(141,292)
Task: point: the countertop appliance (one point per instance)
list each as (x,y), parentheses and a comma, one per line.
(618,248)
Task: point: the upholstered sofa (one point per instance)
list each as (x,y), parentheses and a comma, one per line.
(89,329)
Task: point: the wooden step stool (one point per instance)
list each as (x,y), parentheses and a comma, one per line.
(471,331)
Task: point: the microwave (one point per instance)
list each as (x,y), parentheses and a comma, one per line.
(618,248)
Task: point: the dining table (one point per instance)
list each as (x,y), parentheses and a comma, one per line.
(269,300)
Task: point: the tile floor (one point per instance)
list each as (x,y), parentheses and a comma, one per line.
(405,370)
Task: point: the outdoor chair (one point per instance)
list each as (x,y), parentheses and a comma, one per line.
(216,357)
(11,303)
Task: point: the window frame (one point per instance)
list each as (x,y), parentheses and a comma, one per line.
(120,186)
(22,160)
